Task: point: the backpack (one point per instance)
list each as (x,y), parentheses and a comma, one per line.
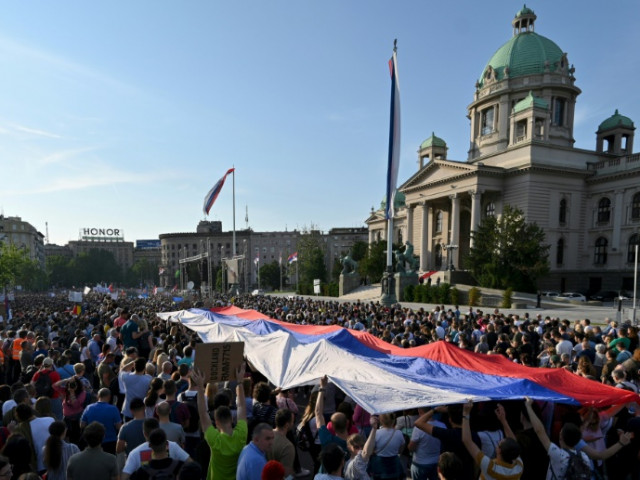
(43,385)
(304,438)
(191,401)
(167,473)
(576,468)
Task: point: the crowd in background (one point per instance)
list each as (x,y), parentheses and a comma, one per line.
(111,392)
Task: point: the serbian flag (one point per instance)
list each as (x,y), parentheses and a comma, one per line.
(155,290)
(394,137)
(111,288)
(214,192)
(257,259)
(293,257)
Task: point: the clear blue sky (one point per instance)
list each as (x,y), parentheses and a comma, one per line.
(124,114)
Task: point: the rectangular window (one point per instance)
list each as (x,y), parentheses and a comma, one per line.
(487,121)
(558,111)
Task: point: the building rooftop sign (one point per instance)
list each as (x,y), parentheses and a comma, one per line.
(101,234)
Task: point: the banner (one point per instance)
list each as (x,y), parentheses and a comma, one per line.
(219,361)
(75,296)
(232,270)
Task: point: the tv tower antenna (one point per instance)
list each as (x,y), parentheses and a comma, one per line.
(246,217)
(46,224)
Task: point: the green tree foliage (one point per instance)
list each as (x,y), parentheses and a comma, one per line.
(375,261)
(59,272)
(270,276)
(359,250)
(95,266)
(145,272)
(14,262)
(311,264)
(508,252)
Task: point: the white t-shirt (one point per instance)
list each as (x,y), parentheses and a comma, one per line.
(40,433)
(142,454)
(559,461)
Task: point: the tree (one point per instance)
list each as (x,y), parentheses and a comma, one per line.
(59,271)
(508,252)
(270,276)
(311,257)
(143,272)
(359,250)
(13,261)
(372,266)
(95,266)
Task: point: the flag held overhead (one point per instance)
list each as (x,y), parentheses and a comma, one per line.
(212,195)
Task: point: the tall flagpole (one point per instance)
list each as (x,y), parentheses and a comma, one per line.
(233,247)
(388,296)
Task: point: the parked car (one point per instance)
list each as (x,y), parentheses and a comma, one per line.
(257,292)
(609,295)
(572,296)
(550,294)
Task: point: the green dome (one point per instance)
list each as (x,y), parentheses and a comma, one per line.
(524,11)
(433,141)
(398,201)
(526,53)
(614,121)
(530,101)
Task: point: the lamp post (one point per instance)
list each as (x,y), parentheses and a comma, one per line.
(449,248)
(222,266)
(635,279)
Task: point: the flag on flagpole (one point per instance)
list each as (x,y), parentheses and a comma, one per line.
(256,261)
(111,288)
(280,258)
(394,136)
(210,198)
(293,257)
(160,271)
(155,290)
(77,309)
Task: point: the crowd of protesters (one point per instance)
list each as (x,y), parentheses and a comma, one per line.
(111,393)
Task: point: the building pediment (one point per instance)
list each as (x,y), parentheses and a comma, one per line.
(439,171)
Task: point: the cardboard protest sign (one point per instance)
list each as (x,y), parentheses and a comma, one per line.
(218,361)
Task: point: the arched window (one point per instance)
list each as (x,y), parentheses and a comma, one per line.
(631,251)
(490,210)
(600,257)
(635,207)
(560,252)
(439,221)
(562,213)
(604,210)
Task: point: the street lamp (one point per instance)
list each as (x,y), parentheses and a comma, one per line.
(635,278)
(449,248)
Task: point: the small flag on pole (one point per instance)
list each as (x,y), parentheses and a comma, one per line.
(293,257)
(257,259)
(214,192)
(394,136)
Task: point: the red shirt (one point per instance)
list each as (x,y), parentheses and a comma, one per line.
(55,377)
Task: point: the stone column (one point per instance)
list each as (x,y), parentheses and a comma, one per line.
(476,203)
(371,237)
(409,238)
(618,210)
(424,235)
(455,228)
(430,265)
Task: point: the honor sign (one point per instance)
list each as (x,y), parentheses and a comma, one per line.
(89,233)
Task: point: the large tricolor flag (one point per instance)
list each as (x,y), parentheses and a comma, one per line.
(214,192)
(394,137)
(382,377)
(293,257)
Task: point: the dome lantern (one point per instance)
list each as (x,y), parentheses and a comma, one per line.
(523,21)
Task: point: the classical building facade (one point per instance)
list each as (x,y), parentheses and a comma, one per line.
(15,231)
(258,248)
(522,154)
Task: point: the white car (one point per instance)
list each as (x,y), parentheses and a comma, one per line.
(550,294)
(572,296)
(257,291)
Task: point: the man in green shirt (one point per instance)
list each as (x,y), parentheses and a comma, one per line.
(225,442)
